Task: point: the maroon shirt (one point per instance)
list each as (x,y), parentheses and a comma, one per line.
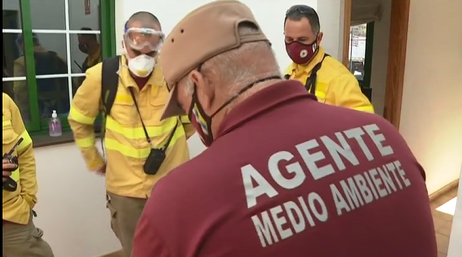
(290,177)
(140,82)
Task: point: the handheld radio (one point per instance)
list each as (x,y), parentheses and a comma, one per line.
(9,184)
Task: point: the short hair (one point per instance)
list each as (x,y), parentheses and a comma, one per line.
(89,36)
(297,12)
(146,18)
(227,66)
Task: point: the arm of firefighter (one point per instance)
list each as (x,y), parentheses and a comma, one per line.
(348,93)
(85,108)
(26,159)
(188,128)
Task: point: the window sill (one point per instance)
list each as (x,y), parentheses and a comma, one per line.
(45,140)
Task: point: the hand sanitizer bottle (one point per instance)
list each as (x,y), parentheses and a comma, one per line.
(54,127)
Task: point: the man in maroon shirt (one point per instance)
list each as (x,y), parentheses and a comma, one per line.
(283,175)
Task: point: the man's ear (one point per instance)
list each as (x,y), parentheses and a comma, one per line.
(320,35)
(203,90)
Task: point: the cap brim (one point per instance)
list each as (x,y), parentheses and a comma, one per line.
(172,108)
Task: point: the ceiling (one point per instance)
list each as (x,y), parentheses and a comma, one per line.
(364,11)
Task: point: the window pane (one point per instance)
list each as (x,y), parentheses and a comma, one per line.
(11,14)
(85,53)
(14,70)
(358,50)
(48,14)
(13,59)
(53,94)
(85,46)
(84,14)
(51,73)
(50,53)
(7,86)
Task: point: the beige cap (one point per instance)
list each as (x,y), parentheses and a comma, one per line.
(206,32)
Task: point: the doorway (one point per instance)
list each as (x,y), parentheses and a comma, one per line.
(363,20)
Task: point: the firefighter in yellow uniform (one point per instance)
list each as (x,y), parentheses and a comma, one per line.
(322,75)
(133,127)
(20,236)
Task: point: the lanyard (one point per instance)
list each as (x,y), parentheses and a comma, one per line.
(148,138)
(310,84)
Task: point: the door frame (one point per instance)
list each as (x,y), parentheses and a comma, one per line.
(399,21)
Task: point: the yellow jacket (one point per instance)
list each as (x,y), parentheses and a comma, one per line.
(125,142)
(17,206)
(335,84)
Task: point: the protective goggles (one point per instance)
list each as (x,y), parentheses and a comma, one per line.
(139,38)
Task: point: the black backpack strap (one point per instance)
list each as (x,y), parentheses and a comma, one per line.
(310,83)
(109,85)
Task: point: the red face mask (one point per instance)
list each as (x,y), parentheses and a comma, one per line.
(301,53)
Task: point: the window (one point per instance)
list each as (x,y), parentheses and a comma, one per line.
(47,45)
(360,52)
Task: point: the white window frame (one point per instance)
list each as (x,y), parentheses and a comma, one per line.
(67,31)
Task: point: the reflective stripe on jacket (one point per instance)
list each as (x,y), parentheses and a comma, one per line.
(17,205)
(335,84)
(125,141)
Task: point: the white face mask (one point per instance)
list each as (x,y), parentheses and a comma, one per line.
(142,65)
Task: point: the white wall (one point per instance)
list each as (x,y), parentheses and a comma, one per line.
(331,16)
(270,15)
(380,58)
(71,207)
(72,202)
(50,15)
(431,115)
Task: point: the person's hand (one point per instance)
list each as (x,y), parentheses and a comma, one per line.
(101,171)
(7,168)
(5,175)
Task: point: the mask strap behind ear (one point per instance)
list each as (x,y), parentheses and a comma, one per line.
(126,27)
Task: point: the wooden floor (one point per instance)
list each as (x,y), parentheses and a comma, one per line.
(114,254)
(443,224)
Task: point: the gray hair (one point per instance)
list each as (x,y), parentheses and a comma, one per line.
(241,66)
